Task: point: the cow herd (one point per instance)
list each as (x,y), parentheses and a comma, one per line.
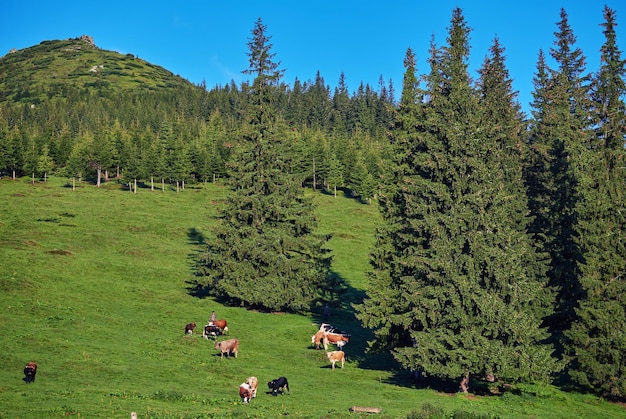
(212,329)
(327,335)
(324,337)
(247,389)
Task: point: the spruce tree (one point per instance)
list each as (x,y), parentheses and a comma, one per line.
(386,308)
(266,253)
(341,106)
(596,340)
(318,103)
(45,162)
(457,286)
(560,128)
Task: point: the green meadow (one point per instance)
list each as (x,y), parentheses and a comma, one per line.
(94,288)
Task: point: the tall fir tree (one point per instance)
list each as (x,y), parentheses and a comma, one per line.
(385,307)
(266,253)
(457,287)
(596,340)
(560,128)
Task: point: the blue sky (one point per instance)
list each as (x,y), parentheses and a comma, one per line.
(207,40)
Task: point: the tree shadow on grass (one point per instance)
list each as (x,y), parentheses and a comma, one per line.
(341,298)
(357,350)
(198,243)
(196,238)
(343,317)
(408,379)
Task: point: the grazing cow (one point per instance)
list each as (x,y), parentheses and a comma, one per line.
(324,338)
(222,324)
(279,384)
(336,356)
(189,328)
(216,328)
(30,370)
(227,347)
(245,392)
(211,331)
(318,338)
(337,339)
(253,382)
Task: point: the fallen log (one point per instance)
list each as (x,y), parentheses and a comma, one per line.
(366,409)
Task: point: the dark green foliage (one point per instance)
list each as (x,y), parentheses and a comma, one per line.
(561,112)
(596,340)
(458,289)
(266,253)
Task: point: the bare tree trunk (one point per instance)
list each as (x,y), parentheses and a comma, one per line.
(162,185)
(464,386)
(98,174)
(33,178)
(335,188)
(73,183)
(313,174)
(135,185)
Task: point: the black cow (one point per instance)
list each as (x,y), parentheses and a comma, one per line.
(30,370)
(279,384)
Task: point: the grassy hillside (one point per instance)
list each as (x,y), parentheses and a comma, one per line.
(51,68)
(93,288)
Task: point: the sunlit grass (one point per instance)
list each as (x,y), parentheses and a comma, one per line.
(93,287)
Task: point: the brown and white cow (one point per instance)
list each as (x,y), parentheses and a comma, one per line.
(222,324)
(337,339)
(318,338)
(245,392)
(336,356)
(227,347)
(253,382)
(189,328)
(322,338)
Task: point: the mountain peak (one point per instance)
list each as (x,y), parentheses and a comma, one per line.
(88,39)
(52,68)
